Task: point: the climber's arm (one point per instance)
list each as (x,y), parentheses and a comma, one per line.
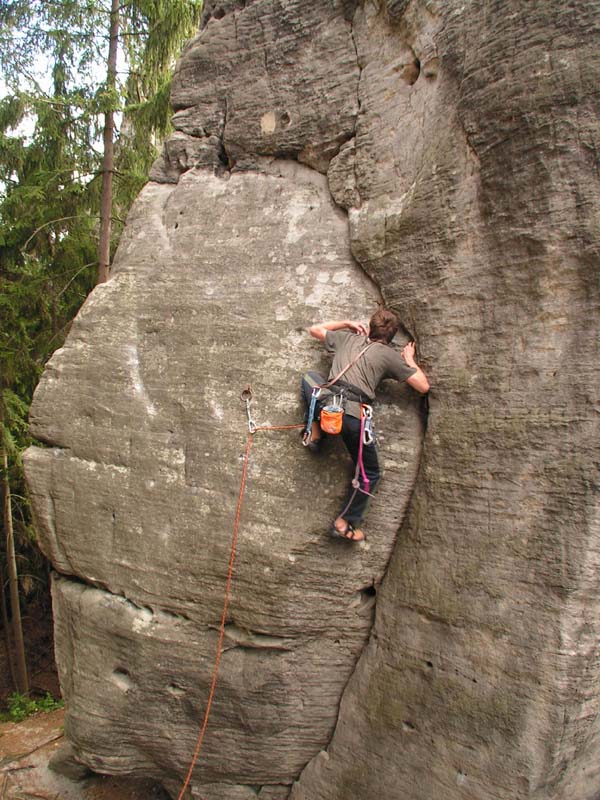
(417,380)
(320,331)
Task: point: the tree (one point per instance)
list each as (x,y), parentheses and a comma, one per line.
(68,175)
(13,582)
(108,154)
(151,33)
(70,38)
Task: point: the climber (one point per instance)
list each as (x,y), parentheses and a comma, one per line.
(371,359)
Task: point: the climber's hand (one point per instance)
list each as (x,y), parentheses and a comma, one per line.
(357,327)
(408,354)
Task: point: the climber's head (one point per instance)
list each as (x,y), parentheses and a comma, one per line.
(383,325)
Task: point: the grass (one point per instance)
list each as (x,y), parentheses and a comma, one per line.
(21,706)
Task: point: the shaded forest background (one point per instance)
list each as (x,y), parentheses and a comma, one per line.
(84,105)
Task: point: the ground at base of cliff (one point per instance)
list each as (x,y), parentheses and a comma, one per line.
(27,747)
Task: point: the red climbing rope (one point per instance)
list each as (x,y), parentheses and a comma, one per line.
(213,684)
(236,526)
(278,427)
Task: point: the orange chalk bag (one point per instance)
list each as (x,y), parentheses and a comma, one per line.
(331,418)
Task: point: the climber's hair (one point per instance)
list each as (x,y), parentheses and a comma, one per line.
(383,325)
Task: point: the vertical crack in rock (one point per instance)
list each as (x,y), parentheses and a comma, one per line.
(359,67)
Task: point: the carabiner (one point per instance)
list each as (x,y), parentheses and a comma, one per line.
(246,397)
(367,412)
(306,436)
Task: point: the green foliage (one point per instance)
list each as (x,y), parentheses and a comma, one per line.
(21,706)
(51,121)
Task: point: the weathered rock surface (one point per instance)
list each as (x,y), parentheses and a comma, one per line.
(272,79)
(213,285)
(462,141)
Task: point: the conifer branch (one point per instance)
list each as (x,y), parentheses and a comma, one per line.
(51,222)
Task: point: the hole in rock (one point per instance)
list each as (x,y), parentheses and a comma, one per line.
(285,118)
(176,225)
(365,598)
(408,726)
(412,71)
(219,13)
(122,679)
(429,664)
(175,690)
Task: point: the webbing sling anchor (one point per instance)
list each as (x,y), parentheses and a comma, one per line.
(246,397)
(307,435)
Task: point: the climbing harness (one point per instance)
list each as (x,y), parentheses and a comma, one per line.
(332,414)
(245,397)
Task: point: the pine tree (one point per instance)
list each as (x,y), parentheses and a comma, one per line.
(54,126)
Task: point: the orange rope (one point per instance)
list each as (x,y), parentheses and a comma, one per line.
(236,526)
(278,427)
(213,684)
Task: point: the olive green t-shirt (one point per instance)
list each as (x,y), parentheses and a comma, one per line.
(381,361)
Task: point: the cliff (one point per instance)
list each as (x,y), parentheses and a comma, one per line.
(441,157)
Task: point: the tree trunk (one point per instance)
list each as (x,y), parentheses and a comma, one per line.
(6,625)
(13,582)
(108,157)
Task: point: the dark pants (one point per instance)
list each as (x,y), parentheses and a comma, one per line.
(356,501)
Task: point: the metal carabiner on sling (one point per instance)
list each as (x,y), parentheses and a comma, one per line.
(246,397)
(367,412)
(306,436)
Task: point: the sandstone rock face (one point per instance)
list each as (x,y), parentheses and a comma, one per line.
(214,284)
(442,156)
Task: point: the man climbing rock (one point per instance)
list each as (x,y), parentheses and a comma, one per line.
(361,360)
